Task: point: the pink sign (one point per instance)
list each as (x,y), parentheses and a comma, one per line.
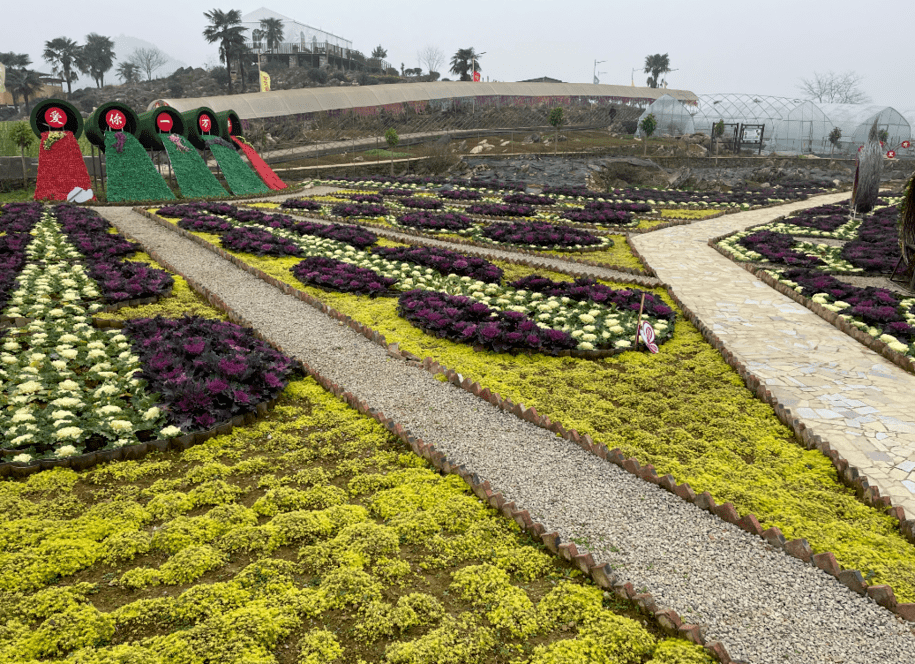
(55,117)
(206,123)
(164,122)
(229,121)
(115,119)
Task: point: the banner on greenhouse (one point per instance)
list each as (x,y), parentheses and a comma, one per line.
(2,78)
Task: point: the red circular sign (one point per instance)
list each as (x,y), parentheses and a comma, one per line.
(906,144)
(115,119)
(229,123)
(55,117)
(891,154)
(205,122)
(164,122)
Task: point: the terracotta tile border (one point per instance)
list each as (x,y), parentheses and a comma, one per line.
(602,574)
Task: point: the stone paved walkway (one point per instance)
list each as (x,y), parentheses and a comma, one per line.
(852,397)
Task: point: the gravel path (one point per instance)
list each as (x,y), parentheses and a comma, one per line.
(764,606)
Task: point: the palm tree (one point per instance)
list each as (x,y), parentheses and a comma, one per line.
(225,28)
(656,65)
(463,61)
(15,64)
(272,32)
(98,57)
(129,72)
(28,85)
(65,56)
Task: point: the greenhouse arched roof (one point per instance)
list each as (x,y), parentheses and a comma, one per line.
(855,121)
(672,116)
(278,103)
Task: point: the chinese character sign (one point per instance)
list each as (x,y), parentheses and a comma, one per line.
(55,117)
(115,119)
(164,122)
(206,123)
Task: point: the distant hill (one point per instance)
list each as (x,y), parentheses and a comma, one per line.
(124,47)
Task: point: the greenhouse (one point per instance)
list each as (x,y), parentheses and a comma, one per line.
(855,121)
(789,125)
(672,116)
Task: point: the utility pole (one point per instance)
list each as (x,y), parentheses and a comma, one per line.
(473,65)
(597,62)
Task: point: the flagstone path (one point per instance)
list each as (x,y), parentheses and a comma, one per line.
(849,395)
(763,605)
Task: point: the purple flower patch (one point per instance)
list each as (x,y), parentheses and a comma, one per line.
(332,274)
(206,371)
(261,243)
(16,220)
(528,199)
(443,261)
(778,248)
(358,210)
(422,203)
(301,204)
(539,234)
(464,320)
(501,210)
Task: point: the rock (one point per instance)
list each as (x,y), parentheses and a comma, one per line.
(476,149)
(462,145)
(533,138)
(697,150)
(504,143)
(358,159)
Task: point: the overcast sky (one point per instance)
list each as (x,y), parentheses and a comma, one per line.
(714,45)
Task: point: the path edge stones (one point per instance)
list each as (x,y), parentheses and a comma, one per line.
(798,548)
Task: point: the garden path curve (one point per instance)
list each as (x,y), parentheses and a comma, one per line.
(859,402)
(764,606)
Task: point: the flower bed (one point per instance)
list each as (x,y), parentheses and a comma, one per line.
(206,371)
(301,204)
(541,235)
(366,198)
(205,223)
(878,311)
(528,199)
(130,173)
(778,248)
(259,242)
(364,210)
(16,221)
(463,319)
(608,215)
(500,210)
(459,194)
(876,248)
(451,275)
(443,222)
(194,177)
(336,275)
(443,261)
(422,203)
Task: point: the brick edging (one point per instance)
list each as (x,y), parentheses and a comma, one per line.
(798,548)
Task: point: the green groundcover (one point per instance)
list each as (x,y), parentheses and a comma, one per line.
(194,178)
(241,179)
(131,174)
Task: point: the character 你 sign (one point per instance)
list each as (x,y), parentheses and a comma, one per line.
(115,119)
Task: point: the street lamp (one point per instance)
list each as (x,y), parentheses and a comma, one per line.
(473,65)
(597,62)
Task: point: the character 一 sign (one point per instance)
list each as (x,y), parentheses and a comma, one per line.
(164,122)
(55,117)
(205,122)
(115,119)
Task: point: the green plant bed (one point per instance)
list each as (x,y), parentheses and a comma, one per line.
(194,177)
(239,176)
(683,410)
(312,536)
(387,154)
(131,174)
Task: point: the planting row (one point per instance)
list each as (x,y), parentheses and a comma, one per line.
(513,193)
(71,388)
(445,293)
